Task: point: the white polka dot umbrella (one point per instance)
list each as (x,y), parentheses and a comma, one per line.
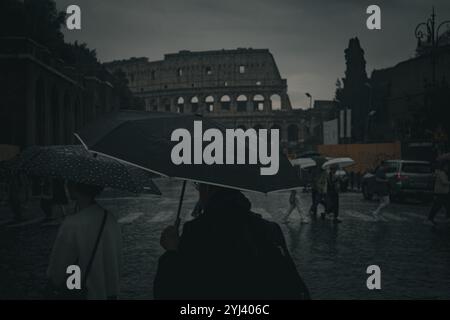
(74,163)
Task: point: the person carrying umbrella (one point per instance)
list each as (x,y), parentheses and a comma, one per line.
(319,187)
(228,252)
(441,192)
(92,240)
(382,187)
(332,197)
(91,237)
(294,203)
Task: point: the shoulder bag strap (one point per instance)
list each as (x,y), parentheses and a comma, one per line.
(91,260)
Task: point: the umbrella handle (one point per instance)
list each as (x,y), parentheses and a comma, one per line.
(180,203)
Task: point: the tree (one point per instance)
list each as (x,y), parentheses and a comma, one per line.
(355,92)
(38,20)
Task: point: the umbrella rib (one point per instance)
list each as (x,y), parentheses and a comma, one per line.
(129,163)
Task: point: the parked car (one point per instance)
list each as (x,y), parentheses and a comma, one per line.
(406,179)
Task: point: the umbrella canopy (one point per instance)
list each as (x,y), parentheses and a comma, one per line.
(75,164)
(340,162)
(303,162)
(144,139)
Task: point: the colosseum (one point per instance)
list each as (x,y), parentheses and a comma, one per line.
(240,88)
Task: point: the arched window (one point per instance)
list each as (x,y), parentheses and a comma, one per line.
(258,103)
(153,105)
(225,102)
(241,103)
(275,102)
(194,104)
(166,104)
(293,133)
(180,105)
(209,101)
(147,104)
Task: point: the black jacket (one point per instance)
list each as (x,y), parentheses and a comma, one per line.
(229,253)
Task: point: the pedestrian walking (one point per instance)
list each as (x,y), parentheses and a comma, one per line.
(358,180)
(227,253)
(90,238)
(332,196)
(352,180)
(319,191)
(441,193)
(294,204)
(382,189)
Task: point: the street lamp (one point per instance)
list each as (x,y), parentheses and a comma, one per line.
(310,99)
(429,31)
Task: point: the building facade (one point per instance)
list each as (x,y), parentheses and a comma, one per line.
(44,100)
(239,88)
(411,100)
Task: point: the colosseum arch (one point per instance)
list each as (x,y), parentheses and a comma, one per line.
(194,104)
(209,101)
(165,104)
(258,103)
(225,102)
(241,103)
(292,133)
(180,105)
(153,105)
(275,102)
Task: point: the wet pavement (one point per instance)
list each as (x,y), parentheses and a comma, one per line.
(414,258)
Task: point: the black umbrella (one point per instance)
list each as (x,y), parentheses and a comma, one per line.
(144,139)
(75,164)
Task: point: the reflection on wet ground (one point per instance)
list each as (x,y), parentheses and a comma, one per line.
(414,259)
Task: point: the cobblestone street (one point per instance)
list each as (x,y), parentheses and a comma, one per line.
(332,259)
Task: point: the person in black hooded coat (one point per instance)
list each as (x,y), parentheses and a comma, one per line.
(228,252)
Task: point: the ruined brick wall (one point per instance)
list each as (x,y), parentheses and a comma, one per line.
(241,80)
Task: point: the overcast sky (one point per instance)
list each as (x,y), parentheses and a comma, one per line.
(307,38)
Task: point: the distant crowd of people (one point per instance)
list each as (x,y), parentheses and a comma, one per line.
(325,188)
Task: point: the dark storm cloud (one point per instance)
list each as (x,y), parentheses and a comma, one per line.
(307,38)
